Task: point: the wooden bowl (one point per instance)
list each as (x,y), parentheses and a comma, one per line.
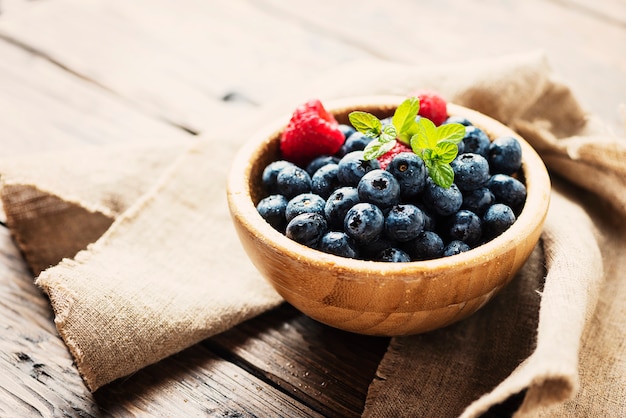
(378,298)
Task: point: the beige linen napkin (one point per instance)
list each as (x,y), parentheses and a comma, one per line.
(534,345)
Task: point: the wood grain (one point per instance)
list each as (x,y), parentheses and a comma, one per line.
(76,73)
(323,367)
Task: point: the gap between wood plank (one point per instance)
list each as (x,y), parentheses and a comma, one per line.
(41,54)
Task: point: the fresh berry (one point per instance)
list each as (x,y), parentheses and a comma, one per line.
(338,243)
(355,142)
(411,173)
(379,187)
(353,166)
(508,190)
(338,204)
(497,219)
(505,155)
(393,255)
(311,132)
(319,162)
(346,130)
(432,106)
(385,159)
(364,222)
(398,205)
(404,222)
(442,201)
(425,246)
(325,180)
(292,181)
(304,203)
(476,141)
(272,209)
(430,222)
(464,226)
(270,173)
(307,229)
(455,247)
(471,171)
(478,200)
(458,119)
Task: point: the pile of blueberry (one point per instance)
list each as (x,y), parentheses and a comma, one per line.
(350,207)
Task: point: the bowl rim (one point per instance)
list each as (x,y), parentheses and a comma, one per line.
(243,210)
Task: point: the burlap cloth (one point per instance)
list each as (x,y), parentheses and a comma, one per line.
(165,269)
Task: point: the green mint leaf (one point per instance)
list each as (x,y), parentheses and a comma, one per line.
(442,174)
(377,148)
(445,152)
(405,114)
(405,136)
(425,136)
(427,155)
(388,134)
(452,132)
(366,123)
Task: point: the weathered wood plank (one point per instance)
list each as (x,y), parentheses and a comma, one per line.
(327,369)
(45,108)
(176,60)
(197,383)
(584,48)
(39,378)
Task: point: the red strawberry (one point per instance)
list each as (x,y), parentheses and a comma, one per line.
(385,159)
(432,106)
(311,132)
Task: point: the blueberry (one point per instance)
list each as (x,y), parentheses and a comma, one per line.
(442,201)
(338,243)
(307,229)
(346,130)
(268,178)
(425,246)
(353,166)
(455,247)
(471,171)
(476,141)
(292,181)
(364,222)
(507,190)
(404,222)
(272,209)
(505,155)
(459,119)
(410,171)
(430,222)
(304,203)
(319,162)
(355,142)
(478,200)
(379,187)
(464,226)
(393,255)
(325,180)
(338,204)
(497,219)
(371,249)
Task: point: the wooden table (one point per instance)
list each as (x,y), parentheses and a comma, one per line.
(91,73)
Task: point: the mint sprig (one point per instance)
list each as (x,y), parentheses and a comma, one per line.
(436,145)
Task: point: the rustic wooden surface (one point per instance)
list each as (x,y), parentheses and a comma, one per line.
(77,73)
